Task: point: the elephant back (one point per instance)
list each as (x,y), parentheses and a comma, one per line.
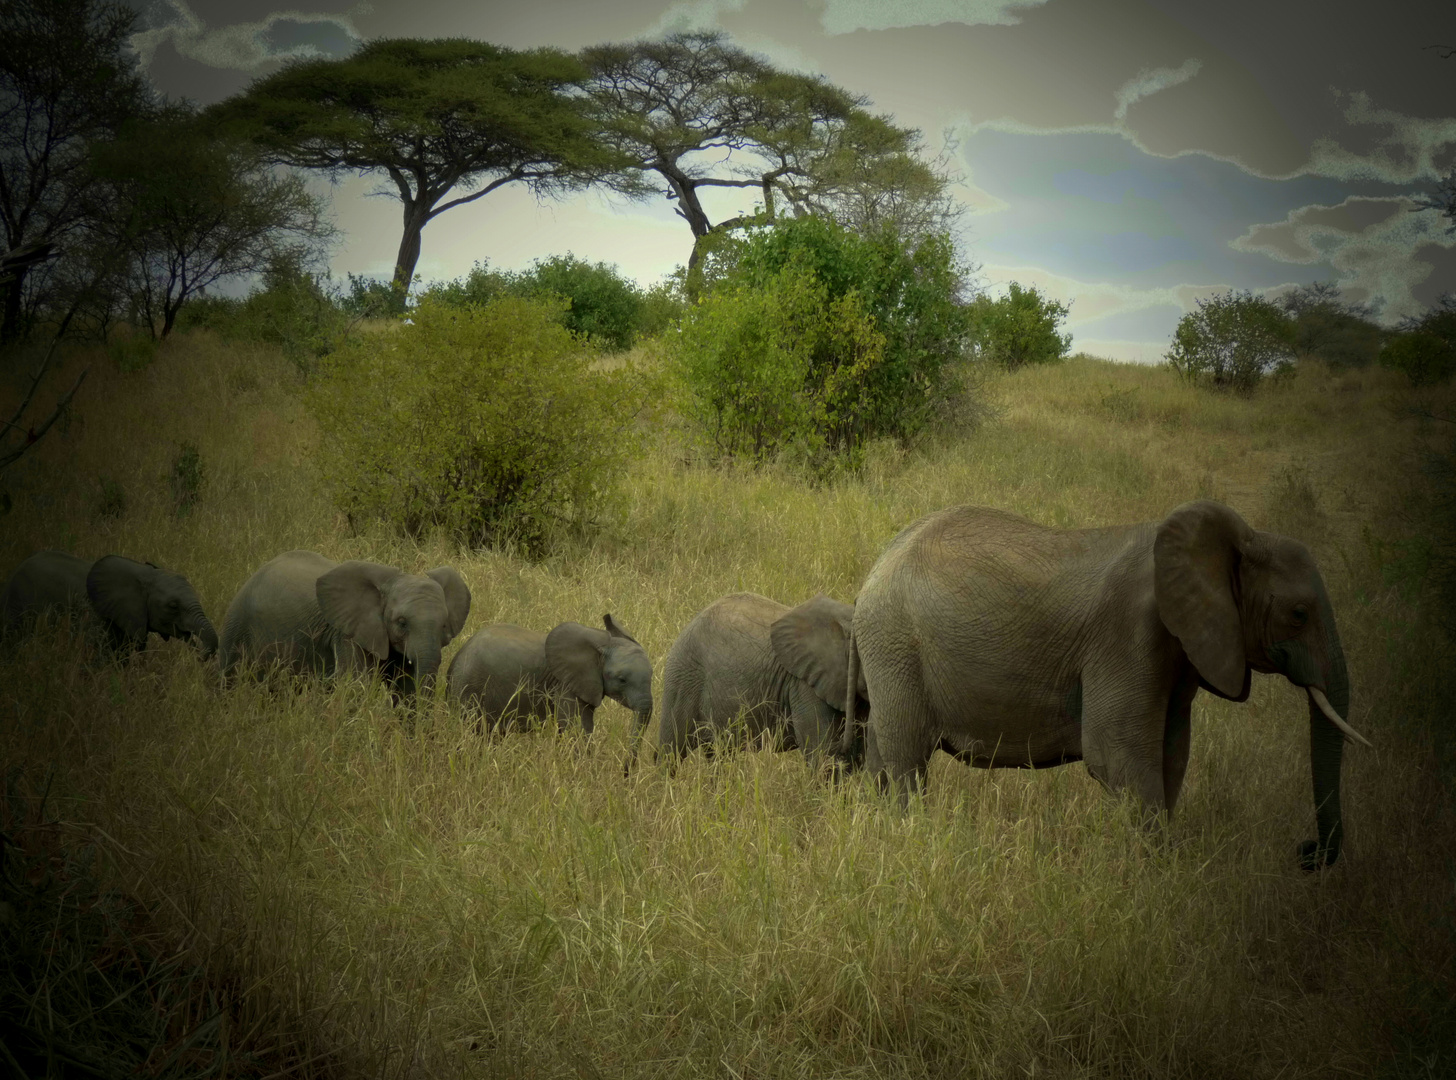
(501,667)
(275,617)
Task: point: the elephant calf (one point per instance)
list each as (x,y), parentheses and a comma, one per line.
(513,676)
(130,599)
(309,614)
(782,672)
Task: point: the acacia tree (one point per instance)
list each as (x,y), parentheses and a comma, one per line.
(66,81)
(702,113)
(190,208)
(434,117)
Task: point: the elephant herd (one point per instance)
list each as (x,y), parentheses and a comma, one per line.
(997,640)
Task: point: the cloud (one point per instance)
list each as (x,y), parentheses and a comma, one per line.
(281,35)
(1372,244)
(847,16)
(1407,151)
(689,15)
(1150,80)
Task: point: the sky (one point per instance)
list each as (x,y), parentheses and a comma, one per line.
(1126,157)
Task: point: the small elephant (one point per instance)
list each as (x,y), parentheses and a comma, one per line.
(1008,644)
(309,614)
(130,599)
(782,670)
(513,676)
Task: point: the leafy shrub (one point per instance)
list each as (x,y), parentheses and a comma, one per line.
(291,308)
(602,306)
(1425,348)
(875,358)
(1020,328)
(489,421)
(1231,341)
(779,364)
(368,297)
(663,307)
(1340,333)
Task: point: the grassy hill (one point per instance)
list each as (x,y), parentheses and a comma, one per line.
(319,888)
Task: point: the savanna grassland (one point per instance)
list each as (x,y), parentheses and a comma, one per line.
(335,890)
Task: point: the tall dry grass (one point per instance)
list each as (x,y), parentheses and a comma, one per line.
(393,896)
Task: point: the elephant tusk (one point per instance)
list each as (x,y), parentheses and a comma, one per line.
(1318,697)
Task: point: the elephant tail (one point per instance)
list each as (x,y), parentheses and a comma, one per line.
(851,741)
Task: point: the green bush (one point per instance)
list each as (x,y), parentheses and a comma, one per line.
(1232,341)
(1020,328)
(489,421)
(372,298)
(1426,358)
(295,310)
(480,286)
(780,364)
(872,329)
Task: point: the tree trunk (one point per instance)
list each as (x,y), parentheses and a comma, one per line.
(416,215)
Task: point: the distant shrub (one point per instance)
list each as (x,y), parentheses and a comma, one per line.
(1231,341)
(1341,333)
(1425,347)
(488,421)
(859,336)
(780,364)
(295,310)
(601,306)
(663,307)
(1020,328)
(368,297)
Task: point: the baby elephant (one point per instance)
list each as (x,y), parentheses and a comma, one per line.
(513,676)
(130,599)
(781,672)
(309,614)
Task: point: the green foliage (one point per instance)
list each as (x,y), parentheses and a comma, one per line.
(663,306)
(132,352)
(110,498)
(780,364)
(1340,333)
(371,298)
(299,312)
(488,421)
(1231,341)
(1425,347)
(605,308)
(1020,328)
(847,338)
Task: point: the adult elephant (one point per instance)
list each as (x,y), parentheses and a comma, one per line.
(130,599)
(308,614)
(514,677)
(1009,644)
(779,673)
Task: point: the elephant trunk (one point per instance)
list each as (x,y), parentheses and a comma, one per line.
(204,637)
(424,666)
(1326,751)
(642,718)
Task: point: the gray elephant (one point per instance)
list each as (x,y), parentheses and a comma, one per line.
(130,599)
(780,672)
(308,614)
(513,677)
(1008,644)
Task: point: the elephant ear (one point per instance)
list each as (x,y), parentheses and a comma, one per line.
(812,642)
(614,629)
(117,589)
(351,597)
(1195,563)
(457,600)
(574,659)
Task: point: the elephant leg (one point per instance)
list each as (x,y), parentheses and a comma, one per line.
(816,725)
(899,730)
(1177,735)
(1123,728)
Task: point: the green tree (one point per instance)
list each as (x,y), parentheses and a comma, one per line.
(701,113)
(1425,345)
(1020,328)
(1231,341)
(67,81)
(488,421)
(191,209)
(866,330)
(434,117)
(1341,333)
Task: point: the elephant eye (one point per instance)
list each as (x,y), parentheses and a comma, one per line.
(1299,614)
(400,622)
